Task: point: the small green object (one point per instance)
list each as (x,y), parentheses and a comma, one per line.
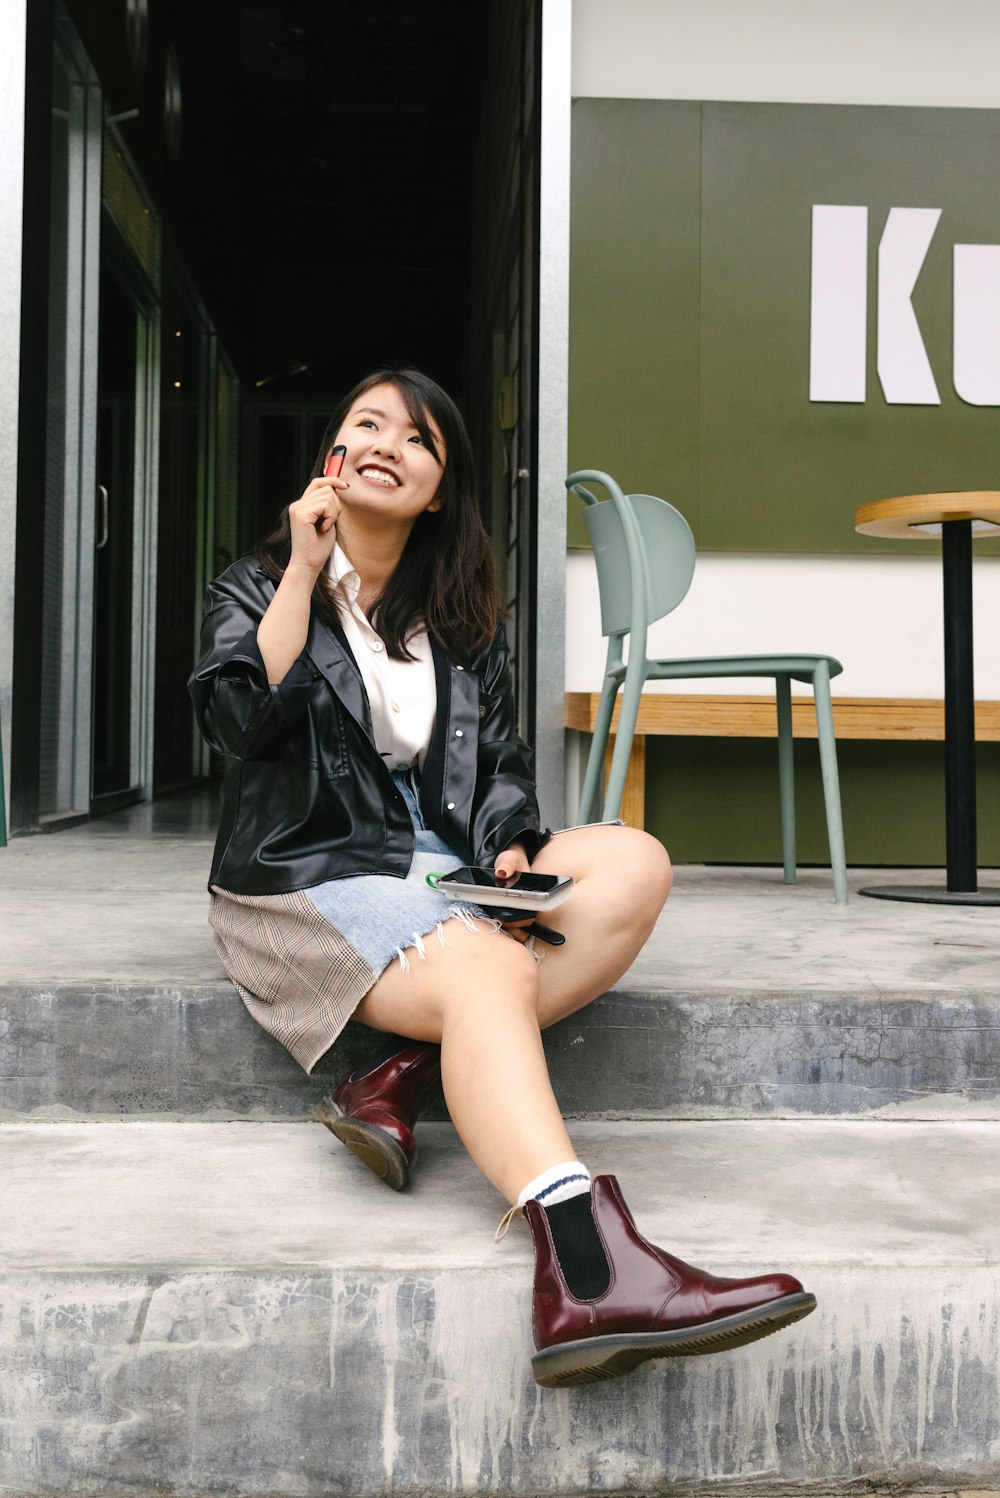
(432,879)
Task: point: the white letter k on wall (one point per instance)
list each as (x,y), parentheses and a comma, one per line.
(839,310)
(903,367)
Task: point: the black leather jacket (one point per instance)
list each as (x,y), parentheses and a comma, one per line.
(306,796)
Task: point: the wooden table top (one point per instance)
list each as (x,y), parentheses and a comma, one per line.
(898,519)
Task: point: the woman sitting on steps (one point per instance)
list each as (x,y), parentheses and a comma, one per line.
(355,677)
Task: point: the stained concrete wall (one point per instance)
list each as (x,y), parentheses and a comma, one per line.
(91,1049)
(313,1382)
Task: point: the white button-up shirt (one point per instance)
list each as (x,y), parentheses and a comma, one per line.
(402,695)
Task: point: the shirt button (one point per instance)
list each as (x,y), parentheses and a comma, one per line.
(394,706)
(377,645)
(459,734)
(451,806)
(459,668)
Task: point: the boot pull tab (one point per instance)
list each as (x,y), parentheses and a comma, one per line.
(505,1222)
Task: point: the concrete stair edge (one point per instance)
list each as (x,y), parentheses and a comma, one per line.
(178,1051)
(356,1341)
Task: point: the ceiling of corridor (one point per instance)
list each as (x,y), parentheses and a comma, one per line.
(321,191)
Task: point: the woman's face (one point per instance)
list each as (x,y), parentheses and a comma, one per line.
(390,469)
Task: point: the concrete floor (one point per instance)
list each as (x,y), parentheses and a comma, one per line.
(123,898)
(91,1195)
(239,1307)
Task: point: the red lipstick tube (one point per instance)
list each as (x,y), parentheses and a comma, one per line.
(335,462)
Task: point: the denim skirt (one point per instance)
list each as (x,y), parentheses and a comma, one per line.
(302,962)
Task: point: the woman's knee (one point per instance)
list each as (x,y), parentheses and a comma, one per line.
(490,970)
(661,870)
(506,967)
(642,865)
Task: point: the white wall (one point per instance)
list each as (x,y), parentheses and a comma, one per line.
(12,37)
(931,53)
(880,615)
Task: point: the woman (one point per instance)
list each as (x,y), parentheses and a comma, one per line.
(355,675)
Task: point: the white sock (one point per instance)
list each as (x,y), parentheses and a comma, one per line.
(557,1184)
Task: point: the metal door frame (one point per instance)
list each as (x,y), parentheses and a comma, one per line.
(83,275)
(552,376)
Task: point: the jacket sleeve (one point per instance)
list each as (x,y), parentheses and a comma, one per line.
(505,805)
(239,713)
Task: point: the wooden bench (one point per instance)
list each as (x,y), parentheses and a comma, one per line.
(723,716)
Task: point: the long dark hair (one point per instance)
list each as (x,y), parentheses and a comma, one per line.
(446,577)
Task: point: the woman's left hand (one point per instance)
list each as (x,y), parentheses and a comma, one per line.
(514,860)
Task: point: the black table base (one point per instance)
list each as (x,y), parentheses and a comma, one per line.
(932,894)
(959,707)
(959,737)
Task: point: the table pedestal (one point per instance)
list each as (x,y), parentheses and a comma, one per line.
(959,737)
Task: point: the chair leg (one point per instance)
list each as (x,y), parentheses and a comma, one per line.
(633,804)
(595,760)
(786,774)
(635,680)
(831,780)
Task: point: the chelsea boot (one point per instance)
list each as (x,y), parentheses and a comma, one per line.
(374,1114)
(653,1306)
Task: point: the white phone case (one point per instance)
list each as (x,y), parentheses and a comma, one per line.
(507,899)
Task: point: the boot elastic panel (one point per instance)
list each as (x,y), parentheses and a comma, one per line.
(578,1247)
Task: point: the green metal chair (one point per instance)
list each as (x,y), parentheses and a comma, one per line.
(645,555)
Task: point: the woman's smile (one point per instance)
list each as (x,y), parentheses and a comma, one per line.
(384,477)
(387,451)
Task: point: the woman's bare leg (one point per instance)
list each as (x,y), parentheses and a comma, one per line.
(478,997)
(484,999)
(622,880)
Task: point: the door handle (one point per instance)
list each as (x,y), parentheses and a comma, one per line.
(104,518)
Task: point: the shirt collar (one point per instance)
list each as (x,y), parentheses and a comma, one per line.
(342,571)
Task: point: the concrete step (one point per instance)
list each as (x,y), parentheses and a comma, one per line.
(751,998)
(648,1049)
(192,1308)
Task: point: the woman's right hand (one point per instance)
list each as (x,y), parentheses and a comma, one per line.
(313,521)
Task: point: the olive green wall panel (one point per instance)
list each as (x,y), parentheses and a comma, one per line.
(689,311)
(634,315)
(716,801)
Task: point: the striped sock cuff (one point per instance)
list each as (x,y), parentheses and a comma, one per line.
(557,1184)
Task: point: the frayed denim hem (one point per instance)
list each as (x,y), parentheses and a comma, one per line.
(473,918)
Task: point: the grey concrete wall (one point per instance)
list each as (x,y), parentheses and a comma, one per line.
(314,1382)
(134,1050)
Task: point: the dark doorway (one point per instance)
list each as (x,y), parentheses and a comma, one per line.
(341,186)
(113,759)
(324,181)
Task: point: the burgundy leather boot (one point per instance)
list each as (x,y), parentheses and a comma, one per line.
(374,1114)
(654,1306)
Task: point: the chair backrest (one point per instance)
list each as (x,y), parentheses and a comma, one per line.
(636,538)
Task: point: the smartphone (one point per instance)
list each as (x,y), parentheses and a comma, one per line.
(525,891)
(335,462)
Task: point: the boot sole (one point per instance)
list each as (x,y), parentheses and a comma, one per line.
(593,1360)
(372,1145)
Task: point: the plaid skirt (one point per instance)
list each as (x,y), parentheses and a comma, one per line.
(302,962)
